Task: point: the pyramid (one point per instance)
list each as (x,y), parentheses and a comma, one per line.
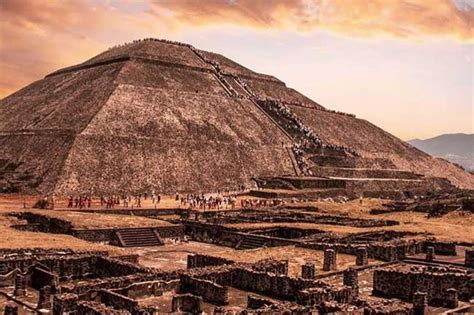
(165,116)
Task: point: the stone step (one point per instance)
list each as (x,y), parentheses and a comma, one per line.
(363,173)
(350,162)
(138,237)
(302,182)
(251,242)
(300,193)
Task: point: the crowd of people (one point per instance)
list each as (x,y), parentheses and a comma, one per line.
(306,136)
(112,201)
(82,201)
(298,152)
(208,202)
(261,203)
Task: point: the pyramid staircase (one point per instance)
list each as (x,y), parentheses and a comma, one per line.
(250,242)
(138,237)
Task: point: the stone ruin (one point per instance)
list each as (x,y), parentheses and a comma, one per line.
(94,282)
(280,145)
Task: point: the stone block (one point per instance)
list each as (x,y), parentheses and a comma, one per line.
(186,303)
(329,260)
(361,256)
(308,271)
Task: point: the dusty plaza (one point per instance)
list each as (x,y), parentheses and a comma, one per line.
(159,178)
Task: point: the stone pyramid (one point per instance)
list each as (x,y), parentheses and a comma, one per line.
(155,114)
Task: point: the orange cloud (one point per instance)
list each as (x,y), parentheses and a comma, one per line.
(409,18)
(37,37)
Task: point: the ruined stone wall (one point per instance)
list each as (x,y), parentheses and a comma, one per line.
(210,292)
(386,251)
(278,267)
(108,283)
(317,296)
(363,173)
(198,261)
(45,223)
(403,284)
(118,301)
(209,233)
(78,266)
(141,289)
(280,286)
(97,308)
(41,278)
(442,248)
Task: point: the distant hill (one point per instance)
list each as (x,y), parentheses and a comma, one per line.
(457,148)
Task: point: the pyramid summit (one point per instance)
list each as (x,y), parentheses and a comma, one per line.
(162,115)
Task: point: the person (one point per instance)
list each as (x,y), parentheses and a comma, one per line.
(125,201)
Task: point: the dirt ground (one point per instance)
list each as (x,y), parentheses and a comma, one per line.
(81,220)
(174,256)
(456,226)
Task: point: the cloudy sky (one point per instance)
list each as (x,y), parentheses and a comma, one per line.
(405,65)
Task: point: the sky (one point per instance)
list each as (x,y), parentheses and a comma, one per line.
(405,65)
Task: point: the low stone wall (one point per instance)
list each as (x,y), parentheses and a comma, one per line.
(108,283)
(77,266)
(156,288)
(387,307)
(109,267)
(210,292)
(395,283)
(385,251)
(97,308)
(74,266)
(108,235)
(64,303)
(442,248)
(45,223)
(363,173)
(317,296)
(41,278)
(278,267)
(280,286)
(119,301)
(469,258)
(187,303)
(197,261)
(256,302)
(29,252)
(128,258)
(209,233)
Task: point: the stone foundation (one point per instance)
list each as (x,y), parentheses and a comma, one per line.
(210,292)
(435,282)
(186,303)
(198,261)
(329,263)
(469,258)
(308,271)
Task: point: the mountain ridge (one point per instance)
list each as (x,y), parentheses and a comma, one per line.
(455,147)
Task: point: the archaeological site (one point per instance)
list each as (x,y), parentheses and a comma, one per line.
(159,178)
